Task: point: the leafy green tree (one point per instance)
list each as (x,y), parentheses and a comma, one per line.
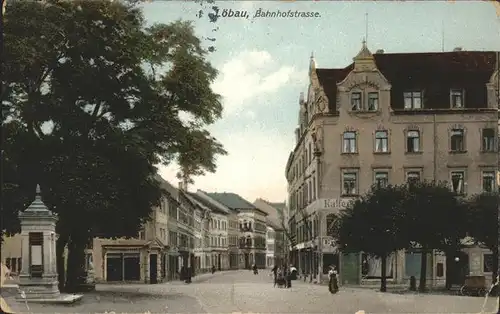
(435,220)
(374,224)
(482,222)
(92,101)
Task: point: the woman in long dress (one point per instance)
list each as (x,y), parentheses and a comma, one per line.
(333,285)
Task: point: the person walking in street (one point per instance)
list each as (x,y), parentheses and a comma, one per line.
(333,285)
(255,270)
(289,277)
(274,271)
(213,269)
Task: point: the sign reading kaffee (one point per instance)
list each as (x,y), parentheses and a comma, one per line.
(329,203)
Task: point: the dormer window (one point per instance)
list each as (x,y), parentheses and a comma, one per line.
(457,98)
(413,100)
(372,101)
(356,101)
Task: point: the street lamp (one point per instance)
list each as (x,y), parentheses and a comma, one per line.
(497,96)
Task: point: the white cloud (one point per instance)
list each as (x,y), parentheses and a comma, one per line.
(255,164)
(250,74)
(254,167)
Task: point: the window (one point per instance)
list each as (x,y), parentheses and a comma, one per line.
(381,179)
(381,142)
(413,176)
(488,181)
(457,98)
(413,141)
(373,101)
(310,152)
(142,235)
(488,263)
(457,181)
(412,100)
(314,188)
(349,183)
(349,142)
(488,140)
(457,140)
(356,101)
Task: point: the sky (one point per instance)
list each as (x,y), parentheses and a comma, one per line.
(263,67)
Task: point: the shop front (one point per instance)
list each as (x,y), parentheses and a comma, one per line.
(133,263)
(173,264)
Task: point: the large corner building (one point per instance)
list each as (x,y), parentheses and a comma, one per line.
(388,118)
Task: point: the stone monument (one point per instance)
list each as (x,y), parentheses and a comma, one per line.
(38,277)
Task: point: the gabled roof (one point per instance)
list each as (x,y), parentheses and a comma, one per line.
(233,201)
(171,190)
(207,204)
(435,73)
(279,206)
(274,223)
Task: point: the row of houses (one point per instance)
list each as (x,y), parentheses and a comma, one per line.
(388,118)
(199,230)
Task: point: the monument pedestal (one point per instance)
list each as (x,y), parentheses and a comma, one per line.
(39,288)
(38,277)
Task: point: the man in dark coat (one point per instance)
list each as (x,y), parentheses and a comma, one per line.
(289,277)
(275,274)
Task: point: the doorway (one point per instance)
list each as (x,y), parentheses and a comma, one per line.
(114,267)
(153,268)
(457,266)
(247,261)
(219,262)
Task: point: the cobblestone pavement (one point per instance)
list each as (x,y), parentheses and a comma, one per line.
(241,291)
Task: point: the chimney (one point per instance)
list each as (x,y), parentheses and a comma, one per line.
(181,185)
(457,49)
(380,51)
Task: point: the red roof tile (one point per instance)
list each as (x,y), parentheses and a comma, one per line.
(434,73)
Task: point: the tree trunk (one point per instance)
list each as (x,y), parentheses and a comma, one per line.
(423,270)
(449,261)
(383,271)
(76,263)
(60,262)
(495,267)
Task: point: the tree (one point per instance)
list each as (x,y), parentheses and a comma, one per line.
(374,224)
(435,220)
(92,101)
(482,222)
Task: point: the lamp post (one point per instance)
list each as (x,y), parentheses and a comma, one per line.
(497,96)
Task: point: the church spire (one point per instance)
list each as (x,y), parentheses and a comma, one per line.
(364,60)
(312,63)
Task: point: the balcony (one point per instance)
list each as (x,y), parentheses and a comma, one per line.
(245,244)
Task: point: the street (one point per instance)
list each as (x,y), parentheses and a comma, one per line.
(241,291)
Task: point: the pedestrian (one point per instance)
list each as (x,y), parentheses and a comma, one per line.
(289,277)
(333,285)
(183,273)
(275,274)
(188,274)
(213,269)
(255,270)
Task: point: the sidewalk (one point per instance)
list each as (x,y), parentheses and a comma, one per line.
(205,276)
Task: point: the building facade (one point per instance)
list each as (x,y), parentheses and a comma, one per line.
(218,252)
(276,241)
(388,118)
(270,246)
(219,240)
(144,259)
(252,227)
